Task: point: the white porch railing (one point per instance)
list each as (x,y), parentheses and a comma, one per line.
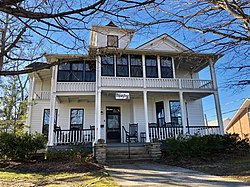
(196,84)
(75,86)
(73,136)
(122,82)
(138,82)
(162,83)
(163,133)
(42,95)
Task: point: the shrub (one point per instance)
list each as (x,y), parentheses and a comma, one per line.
(20,146)
(76,153)
(203,146)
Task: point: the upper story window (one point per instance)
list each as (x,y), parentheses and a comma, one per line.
(108,65)
(77,72)
(136,65)
(122,66)
(166,67)
(151,66)
(112,41)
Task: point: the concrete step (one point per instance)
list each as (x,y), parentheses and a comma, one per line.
(127,161)
(125,156)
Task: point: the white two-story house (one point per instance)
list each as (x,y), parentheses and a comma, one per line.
(96,96)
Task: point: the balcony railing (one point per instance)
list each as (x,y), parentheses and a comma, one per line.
(156,83)
(42,95)
(75,87)
(163,133)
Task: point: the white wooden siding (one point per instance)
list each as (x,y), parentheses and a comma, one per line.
(37,116)
(195,113)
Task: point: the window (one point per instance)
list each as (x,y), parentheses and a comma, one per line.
(175,112)
(46,116)
(166,67)
(151,66)
(76,119)
(122,66)
(160,113)
(77,72)
(136,65)
(90,72)
(112,41)
(108,65)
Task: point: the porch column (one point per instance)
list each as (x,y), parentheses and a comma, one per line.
(183,118)
(30,99)
(216,97)
(145,99)
(52,119)
(98,116)
(52,106)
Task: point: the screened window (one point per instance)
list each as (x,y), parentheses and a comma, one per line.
(77,72)
(175,112)
(122,66)
(166,67)
(112,41)
(151,66)
(108,65)
(76,119)
(136,65)
(90,72)
(160,115)
(46,116)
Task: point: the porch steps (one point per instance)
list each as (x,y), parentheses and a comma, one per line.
(120,153)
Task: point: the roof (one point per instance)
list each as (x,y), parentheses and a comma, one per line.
(35,65)
(245,105)
(164,36)
(190,60)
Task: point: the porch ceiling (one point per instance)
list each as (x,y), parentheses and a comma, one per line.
(195,96)
(78,99)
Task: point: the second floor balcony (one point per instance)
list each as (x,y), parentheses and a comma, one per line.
(130,83)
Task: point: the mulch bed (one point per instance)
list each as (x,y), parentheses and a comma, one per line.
(48,167)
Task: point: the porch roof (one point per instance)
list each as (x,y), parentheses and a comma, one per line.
(189,60)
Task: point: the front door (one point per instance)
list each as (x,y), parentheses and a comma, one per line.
(113,122)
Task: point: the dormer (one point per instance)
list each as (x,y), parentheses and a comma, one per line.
(110,36)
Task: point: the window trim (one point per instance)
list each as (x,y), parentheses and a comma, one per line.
(156,67)
(158,119)
(114,36)
(127,66)
(161,67)
(71,69)
(139,66)
(55,119)
(170,110)
(76,124)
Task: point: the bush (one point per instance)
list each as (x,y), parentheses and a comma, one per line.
(203,146)
(20,146)
(72,154)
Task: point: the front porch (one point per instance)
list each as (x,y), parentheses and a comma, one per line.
(85,136)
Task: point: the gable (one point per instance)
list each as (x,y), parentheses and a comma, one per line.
(164,43)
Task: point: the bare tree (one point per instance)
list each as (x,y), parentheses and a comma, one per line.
(220,26)
(59,22)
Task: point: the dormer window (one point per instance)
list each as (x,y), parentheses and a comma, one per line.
(112,41)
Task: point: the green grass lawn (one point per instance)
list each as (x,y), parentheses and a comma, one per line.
(97,178)
(14,176)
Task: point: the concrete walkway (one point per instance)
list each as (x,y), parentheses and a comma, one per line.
(155,174)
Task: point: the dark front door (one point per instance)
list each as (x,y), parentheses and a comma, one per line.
(113,122)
